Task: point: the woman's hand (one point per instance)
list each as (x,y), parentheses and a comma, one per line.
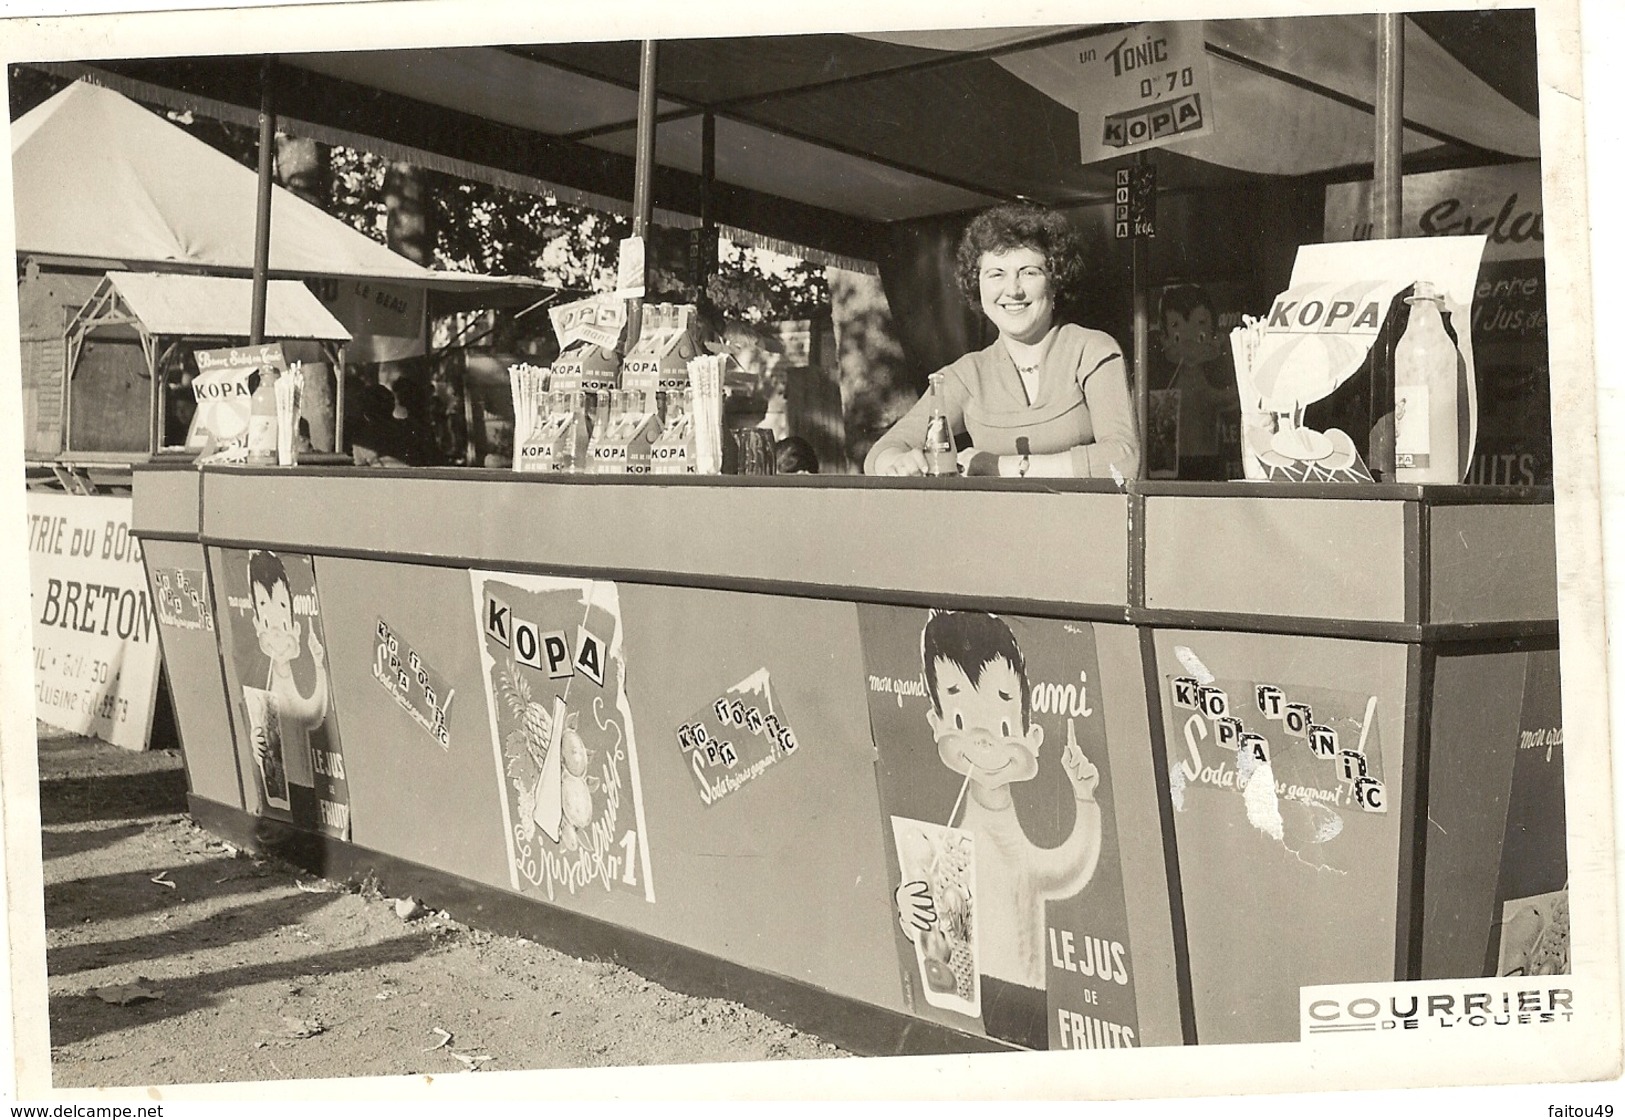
(905,461)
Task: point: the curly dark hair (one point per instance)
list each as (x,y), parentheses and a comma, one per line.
(1021,225)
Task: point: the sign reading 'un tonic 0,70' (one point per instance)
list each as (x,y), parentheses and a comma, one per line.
(1142,88)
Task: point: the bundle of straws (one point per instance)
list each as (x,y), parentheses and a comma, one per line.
(529,385)
(290,395)
(705,382)
(1245,341)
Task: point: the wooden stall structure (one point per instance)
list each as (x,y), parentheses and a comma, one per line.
(126,352)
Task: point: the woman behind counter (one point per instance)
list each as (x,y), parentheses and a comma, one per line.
(1046,399)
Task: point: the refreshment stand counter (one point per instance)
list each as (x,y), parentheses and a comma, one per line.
(658,621)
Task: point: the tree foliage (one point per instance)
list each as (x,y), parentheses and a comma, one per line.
(478,227)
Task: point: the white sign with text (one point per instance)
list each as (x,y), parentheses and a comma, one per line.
(95,641)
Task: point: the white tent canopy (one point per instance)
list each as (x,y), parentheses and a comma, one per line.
(98,177)
(206,306)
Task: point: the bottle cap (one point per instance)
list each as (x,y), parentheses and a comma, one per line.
(1424,289)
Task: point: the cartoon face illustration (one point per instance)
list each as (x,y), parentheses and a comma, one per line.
(274,623)
(1191,337)
(981,731)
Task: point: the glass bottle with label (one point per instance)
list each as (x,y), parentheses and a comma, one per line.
(940,459)
(1427,411)
(261,438)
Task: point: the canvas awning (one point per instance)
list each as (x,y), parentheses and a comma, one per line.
(218,307)
(824,140)
(98,178)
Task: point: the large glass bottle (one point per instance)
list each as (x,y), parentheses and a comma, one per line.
(1427,411)
(940,459)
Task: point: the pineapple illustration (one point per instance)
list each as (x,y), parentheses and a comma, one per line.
(525,743)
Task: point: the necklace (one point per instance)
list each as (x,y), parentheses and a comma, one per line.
(1029,381)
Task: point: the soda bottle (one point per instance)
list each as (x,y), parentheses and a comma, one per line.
(1427,411)
(940,458)
(262,420)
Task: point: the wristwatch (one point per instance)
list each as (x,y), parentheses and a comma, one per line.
(1021,467)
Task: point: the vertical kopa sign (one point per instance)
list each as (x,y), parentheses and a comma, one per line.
(1143,88)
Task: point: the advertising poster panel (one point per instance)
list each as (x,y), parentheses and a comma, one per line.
(95,645)
(1532,896)
(566,756)
(275,638)
(1001,837)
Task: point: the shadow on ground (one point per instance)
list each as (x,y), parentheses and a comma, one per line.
(75,1018)
(111,797)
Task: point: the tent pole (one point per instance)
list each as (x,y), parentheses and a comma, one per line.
(1138,268)
(708,217)
(1386,189)
(643,176)
(262,211)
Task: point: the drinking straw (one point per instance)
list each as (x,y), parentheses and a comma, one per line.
(289,391)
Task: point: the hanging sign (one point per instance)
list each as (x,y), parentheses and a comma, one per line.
(631,269)
(599,320)
(1134,210)
(1142,88)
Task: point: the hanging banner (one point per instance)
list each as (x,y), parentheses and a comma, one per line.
(95,652)
(561,732)
(275,638)
(1142,88)
(1134,206)
(386,321)
(1001,839)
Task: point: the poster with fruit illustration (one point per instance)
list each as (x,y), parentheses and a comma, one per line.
(561,729)
(939,863)
(1001,838)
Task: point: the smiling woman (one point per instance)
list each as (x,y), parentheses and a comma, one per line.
(1046,399)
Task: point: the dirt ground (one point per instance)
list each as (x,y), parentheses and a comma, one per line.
(246,969)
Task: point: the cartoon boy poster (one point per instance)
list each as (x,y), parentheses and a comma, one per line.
(293,764)
(993,778)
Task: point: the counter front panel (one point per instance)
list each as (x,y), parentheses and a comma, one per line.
(178,583)
(1286,878)
(166,500)
(707,715)
(1049,547)
(1313,558)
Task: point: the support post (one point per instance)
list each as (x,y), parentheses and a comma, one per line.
(643,175)
(708,176)
(1138,280)
(1386,187)
(262,211)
